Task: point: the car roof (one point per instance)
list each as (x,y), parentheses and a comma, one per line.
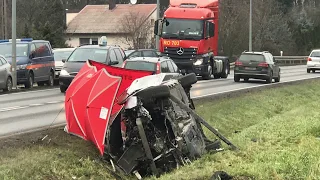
(149,59)
(315,50)
(254,52)
(63,49)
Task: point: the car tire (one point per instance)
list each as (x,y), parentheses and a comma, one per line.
(161,91)
(50,82)
(225,71)
(277,79)
(63,89)
(246,79)
(188,80)
(8,87)
(30,81)
(308,70)
(236,78)
(313,71)
(270,78)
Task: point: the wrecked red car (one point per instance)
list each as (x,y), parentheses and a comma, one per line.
(143,124)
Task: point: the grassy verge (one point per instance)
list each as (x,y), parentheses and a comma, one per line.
(277,131)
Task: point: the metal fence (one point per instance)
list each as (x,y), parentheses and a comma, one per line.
(287,60)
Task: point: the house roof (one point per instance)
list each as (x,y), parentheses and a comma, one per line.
(99,19)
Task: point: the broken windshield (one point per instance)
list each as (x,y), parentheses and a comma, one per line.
(183,29)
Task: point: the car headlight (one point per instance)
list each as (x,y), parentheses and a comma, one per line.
(20,67)
(64,73)
(198,62)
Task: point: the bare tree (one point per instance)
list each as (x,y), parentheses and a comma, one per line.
(137,30)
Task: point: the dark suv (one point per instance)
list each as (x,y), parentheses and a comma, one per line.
(110,55)
(35,61)
(256,65)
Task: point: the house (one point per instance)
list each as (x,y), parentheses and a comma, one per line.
(94,21)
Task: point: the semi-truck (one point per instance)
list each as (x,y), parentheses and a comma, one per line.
(188,34)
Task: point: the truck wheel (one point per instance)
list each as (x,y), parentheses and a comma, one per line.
(208,76)
(225,72)
(188,80)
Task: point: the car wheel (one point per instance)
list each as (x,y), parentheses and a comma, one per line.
(269,80)
(63,89)
(188,80)
(29,83)
(8,85)
(313,71)
(50,82)
(277,79)
(308,70)
(236,78)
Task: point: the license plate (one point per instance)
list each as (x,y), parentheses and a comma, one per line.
(171,43)
(249,68)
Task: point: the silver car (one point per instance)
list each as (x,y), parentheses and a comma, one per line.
(59,55)
(313,62)
(5,75)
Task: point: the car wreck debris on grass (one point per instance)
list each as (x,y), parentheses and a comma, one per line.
(155,129)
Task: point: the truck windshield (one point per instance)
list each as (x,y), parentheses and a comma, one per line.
(183,29)
(6,49)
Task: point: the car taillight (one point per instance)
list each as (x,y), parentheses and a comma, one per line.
(263,64)
(309,59)
(238,63)
(158,68)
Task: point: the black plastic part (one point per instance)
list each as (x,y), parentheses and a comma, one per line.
(188,80)
(155,92)
(129,160)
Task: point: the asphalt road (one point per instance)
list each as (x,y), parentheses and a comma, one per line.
(20,112)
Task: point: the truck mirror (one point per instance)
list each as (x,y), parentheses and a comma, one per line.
(156,27)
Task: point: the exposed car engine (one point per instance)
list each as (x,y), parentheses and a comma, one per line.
(157,133)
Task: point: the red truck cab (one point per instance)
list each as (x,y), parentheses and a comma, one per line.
(189,35)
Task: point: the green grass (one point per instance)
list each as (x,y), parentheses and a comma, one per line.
(276,131)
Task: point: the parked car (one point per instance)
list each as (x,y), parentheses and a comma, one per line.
(5,75)
(103,53)
(141,53)
(313,62)
(59,55)
(256,65)
(35,61)
(156,64)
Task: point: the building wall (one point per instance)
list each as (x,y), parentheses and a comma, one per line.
(113,39)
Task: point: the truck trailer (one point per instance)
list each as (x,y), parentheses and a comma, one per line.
(188,35)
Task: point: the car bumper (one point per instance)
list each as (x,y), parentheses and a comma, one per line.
(253,74)
(313,65)
(65,81)
(22,76)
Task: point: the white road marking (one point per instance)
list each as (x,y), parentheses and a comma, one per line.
(26,92)
(28,106)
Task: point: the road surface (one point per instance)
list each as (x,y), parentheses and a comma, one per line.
(25,111)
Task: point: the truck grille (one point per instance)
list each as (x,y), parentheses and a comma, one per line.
(188,53)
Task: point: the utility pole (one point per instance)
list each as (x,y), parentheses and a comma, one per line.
(158,17)
(14,47)
(250,27)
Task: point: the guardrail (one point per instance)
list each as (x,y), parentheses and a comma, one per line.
(287,60)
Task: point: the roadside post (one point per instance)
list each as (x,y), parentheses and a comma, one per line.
(14,47)
(158,17)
